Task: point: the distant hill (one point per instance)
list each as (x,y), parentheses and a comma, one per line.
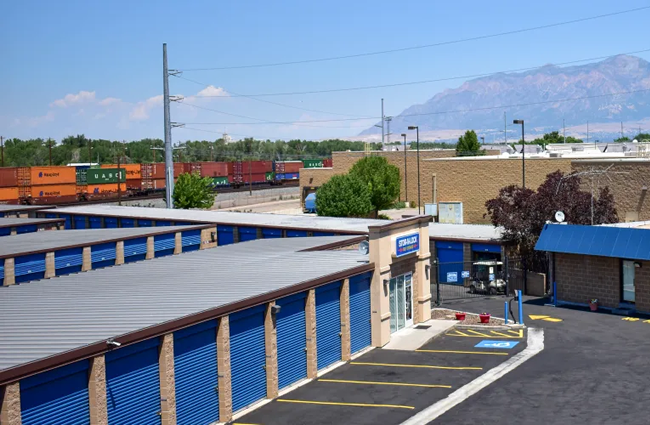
(622,73)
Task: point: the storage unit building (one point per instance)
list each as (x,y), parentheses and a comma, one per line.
(19,226)
(22,211)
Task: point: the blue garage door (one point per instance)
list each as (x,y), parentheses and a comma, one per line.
(26,229)
(29,267)
(133,384)
(95,222)
(191,240)
(110,222)
(5,231)
(2,271)
(247,233)
(195,370)
(271,233)
(328,324)
(486,247)
(323,234)
(59,396)
(160,223)
(164,244)
(135,250)
(68,220)
(291,337)
(79,221)
(47,215)
(296,233)
(145,222)
(247,357)
(68,261)
(225,235)
(450,262)
(103,255)
(360,329)
(127,222)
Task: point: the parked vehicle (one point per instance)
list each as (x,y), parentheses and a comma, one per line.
(487,278)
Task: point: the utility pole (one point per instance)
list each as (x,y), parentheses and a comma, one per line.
(2,151)
(621,130)
(90,157)
(169,160)
(382,121)
(388,119)
(406,183)
(119,177)
(563,131)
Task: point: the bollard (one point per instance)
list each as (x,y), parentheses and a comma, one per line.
(506,312)
(521,311)
(555,293)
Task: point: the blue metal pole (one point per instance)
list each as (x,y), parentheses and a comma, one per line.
(555,293)
(506,312)
(521,311)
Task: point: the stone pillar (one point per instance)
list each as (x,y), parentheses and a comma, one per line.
(97,391)
(380,255)
(422,279)
(235,234)
(206,237)
(13,231)
(87,259)
(119,253)
(10,407)
(310,317)
(49,265)
(271,345)
(223,361)
(150,248)
(260,234)
(10,272)
(345,321)
(167,381)
(178,243)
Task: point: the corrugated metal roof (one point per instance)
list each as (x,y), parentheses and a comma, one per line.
(56,239)
(332,224)
(57,315)
(10,208)
(12,221)
(605,241)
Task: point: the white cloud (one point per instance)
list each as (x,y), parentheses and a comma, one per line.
(109,101)
(141,111)
(213,91)
(33,121)
(74,99)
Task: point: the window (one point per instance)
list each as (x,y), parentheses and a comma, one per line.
(628,281)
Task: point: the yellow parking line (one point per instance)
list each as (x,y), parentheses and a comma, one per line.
(457,333)
(478,333)
(519,333)
(461,352)
(331,403)
(417,366)
(500,334)
(242,423)
(399,384)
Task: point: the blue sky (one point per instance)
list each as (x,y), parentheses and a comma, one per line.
(74,66)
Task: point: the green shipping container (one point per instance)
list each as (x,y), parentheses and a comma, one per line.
(312,163)
(220,181)
(270,176)
(105,175)
(81,176)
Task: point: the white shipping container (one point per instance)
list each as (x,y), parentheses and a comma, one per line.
(450,212)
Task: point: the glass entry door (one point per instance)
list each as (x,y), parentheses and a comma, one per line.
(628,282)
(401,302)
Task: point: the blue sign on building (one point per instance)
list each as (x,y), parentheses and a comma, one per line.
(486,343)
(407,244)
(464,274)
(452,277)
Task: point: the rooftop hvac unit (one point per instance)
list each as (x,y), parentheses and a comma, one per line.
(555,154)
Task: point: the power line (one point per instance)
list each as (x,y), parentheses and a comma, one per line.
(424,46)
(410,83)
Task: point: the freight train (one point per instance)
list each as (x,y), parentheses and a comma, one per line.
(78,182)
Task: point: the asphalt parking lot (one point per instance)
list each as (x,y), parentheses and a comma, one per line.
(390,386)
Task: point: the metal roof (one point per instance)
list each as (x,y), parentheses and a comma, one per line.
(26,243)
(11,208)
(13,221)
(605,241)
(54,316)
(479,232)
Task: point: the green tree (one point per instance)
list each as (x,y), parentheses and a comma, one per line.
(193,191)
(643,137)
(554,137)
(622,139)
(468,144)
(383,180)
(344,195)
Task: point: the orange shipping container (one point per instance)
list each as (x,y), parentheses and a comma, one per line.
(53,175)
(133,171)
(54,190)
(8,193)
(100,189)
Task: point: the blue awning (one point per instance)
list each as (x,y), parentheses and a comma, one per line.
(605,241)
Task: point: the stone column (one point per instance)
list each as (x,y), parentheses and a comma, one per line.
(87,259)
(49,265)
(380,255)
(178,243)
(97,391)
(13,231)
(345,321)
(10,272)
(271,345)
(167,381)
(10,407)
(119,253)
(422,278)
(235,234)
(150,248)
(223,361)
(206,237)
(310,317)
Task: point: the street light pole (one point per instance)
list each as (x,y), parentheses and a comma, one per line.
(523,154)
(417,144)
(406,183)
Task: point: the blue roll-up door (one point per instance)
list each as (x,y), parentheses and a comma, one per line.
(164,244)
(68,220)
(450,262)
(133,384)
(2,271)
(5,231)
(271,233)
(195,373)
(291,339)
(144,222)
(127,222)
(57,397)
(328,324)
(68,261)
(247,233)
(163,223)
(48,215)
(486,247)
(296,233)
(225,235)
(79,221)
(191,240)
(360,328)
(30,228)
(135,249)
(323,234)
(95,222)
(110,222)
(103,255)
(29,267)
(247,357)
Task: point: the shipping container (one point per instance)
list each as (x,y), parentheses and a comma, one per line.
(159,184)
(59,175)
(133,171)
(8,177)
(81,174)
(153,171)
(288,166)
(8,193)
(312,163)
(210,169)
(100,191)
(327,163)
(134,184)
(220,181)
(180,168)
(49,194)
(255,167)
(257,178)
(105,175)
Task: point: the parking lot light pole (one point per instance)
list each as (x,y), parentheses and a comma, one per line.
(406,183)
(523,154)
(417,144)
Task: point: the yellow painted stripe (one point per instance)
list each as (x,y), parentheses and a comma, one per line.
(457,333)
(331,403)
(500,334)
(478,333)
(552,319)
(519,332)
(417,366)
(461,352)
(399,384)
(242,423)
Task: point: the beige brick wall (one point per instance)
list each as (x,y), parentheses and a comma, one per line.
(310,317)
(10,406)
(167,380)
(97,391)
(581,278)
(642,287)
(271,347)
(223,365)
(345,321)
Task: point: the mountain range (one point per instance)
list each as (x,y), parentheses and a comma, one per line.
(540,98)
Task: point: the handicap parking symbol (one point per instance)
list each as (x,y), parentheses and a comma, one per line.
(486,343)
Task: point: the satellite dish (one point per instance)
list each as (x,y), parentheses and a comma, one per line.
(364,247)
(559,216)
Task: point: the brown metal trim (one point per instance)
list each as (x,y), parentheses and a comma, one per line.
(334,245)
(158,231)
(58,360)
(468,240)
(397,224)
(34,221)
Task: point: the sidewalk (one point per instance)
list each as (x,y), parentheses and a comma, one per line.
(412,338)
